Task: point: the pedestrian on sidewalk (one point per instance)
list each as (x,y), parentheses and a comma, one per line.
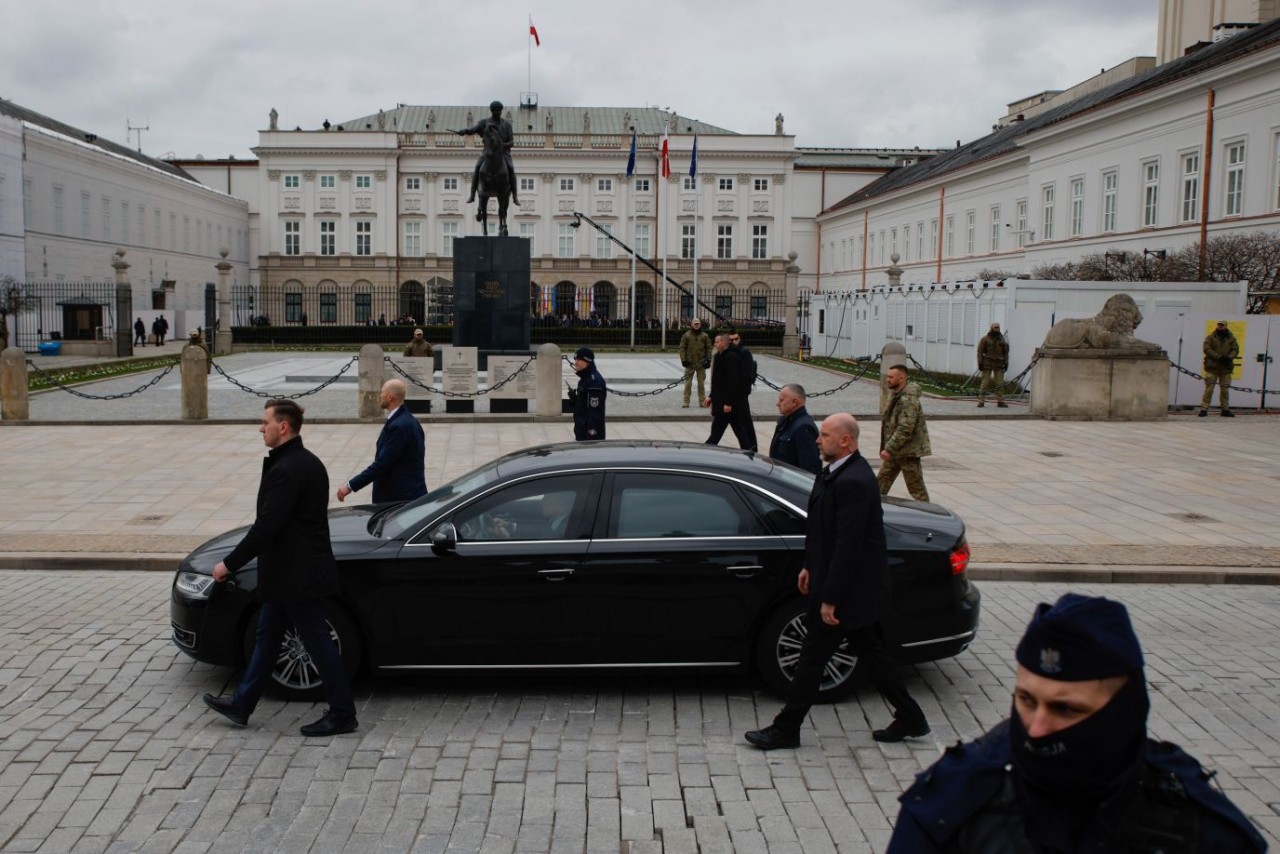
(296,573)
(728,395)
(398,470)
(846,580)
(1220,351)
(746,425)
(795,438)
(993,361)
(1072,768)
(160,328)
(139,333)
(904,436)
(695,358)
(588,398)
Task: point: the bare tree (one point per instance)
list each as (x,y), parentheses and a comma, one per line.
(13,299)
(1254,258)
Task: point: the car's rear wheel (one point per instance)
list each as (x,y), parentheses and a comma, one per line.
(295,675)
(778,653)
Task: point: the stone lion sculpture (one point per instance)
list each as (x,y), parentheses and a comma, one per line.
(1110,329)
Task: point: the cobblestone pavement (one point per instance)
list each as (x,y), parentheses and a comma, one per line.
(105,745)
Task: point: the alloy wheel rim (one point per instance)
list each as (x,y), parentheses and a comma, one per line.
(838,670)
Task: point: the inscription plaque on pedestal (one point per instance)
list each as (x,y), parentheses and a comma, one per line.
(458,370)
(491,293)
(515,395)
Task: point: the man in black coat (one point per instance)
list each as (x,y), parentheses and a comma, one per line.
(795,439)
(397,472)
(846,578)
(728,398)
(296,571)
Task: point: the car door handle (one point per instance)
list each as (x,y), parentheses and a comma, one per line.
(555,574)
(745,571)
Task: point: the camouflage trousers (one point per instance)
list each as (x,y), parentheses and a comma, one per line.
(991,378)
(1223,380)
(688,384)
(912,474)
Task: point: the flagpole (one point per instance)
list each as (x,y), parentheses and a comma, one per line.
(529,46)
(697,218)
(632,190)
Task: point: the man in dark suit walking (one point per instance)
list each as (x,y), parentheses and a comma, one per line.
(397,472)
(728,396)
(846,578)
(296,572)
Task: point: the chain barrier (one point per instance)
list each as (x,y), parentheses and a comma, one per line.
(1200,377)
(868,363)
(333,379)
(967,390)
(461,394)
(58,383)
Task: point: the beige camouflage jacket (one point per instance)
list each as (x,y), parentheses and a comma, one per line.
(903,432)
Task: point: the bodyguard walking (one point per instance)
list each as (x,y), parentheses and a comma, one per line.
(695,358)
(993,361)
(588,398)
(398,470)
(1220,351)
(846,580)
(904,437)
(728,395)
(296,572)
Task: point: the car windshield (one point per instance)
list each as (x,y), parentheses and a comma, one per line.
(413,515)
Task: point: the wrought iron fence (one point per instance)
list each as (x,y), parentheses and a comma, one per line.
(563,313)
(58,311)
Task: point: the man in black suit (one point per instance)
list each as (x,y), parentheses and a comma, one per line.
(296,571)
(846,578)
(397,472)
(728,396)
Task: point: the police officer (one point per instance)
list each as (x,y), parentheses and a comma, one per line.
(1220,351)
(588,398)
(1072,768)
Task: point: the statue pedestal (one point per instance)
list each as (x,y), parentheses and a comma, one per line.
(1100,384)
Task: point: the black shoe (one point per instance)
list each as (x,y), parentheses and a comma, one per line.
(331,724)
(1002,405)
(981,404)
(1203,413)
(898,730)
(1227,413)
(226,709)
(773,738)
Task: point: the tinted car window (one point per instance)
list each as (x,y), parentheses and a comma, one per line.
(413,515)
(670,505)
(547,508)
(781,519)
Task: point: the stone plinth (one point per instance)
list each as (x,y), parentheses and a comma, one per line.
(372,370)
(195,383)
(549,377)
(1100,384)
(14,402)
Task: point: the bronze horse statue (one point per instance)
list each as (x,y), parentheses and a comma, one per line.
(495,180)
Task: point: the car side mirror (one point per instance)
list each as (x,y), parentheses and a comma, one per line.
(444,539)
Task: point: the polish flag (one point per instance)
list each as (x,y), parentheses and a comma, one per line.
(666,156)
(533,31)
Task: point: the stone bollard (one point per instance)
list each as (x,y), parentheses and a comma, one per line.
(372,372)
(892,355)
(195,383)
(550,380)
(14,402)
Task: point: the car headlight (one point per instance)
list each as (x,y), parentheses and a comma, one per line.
(194,585)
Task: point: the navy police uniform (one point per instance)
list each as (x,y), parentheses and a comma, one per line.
(588,399)
(1098,785)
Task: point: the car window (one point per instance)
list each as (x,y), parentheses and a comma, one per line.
(417,513)
(546,508)
(783,520)
(648,505)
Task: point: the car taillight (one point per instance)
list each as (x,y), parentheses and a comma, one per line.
(960,558)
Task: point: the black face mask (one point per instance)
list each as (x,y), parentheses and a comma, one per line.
(1091,758)
(1222,333)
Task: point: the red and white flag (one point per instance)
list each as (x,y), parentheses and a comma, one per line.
(533,31)
(665,154)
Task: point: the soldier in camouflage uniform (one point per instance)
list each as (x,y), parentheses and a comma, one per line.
(1220,351)
(993,360)
(904,437)
(695,358)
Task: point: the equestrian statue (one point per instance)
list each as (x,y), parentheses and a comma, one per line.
(494,175)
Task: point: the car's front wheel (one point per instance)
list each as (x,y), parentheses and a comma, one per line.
(295,675)
(778,653)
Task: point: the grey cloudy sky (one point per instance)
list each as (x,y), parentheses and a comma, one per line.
(203,76)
